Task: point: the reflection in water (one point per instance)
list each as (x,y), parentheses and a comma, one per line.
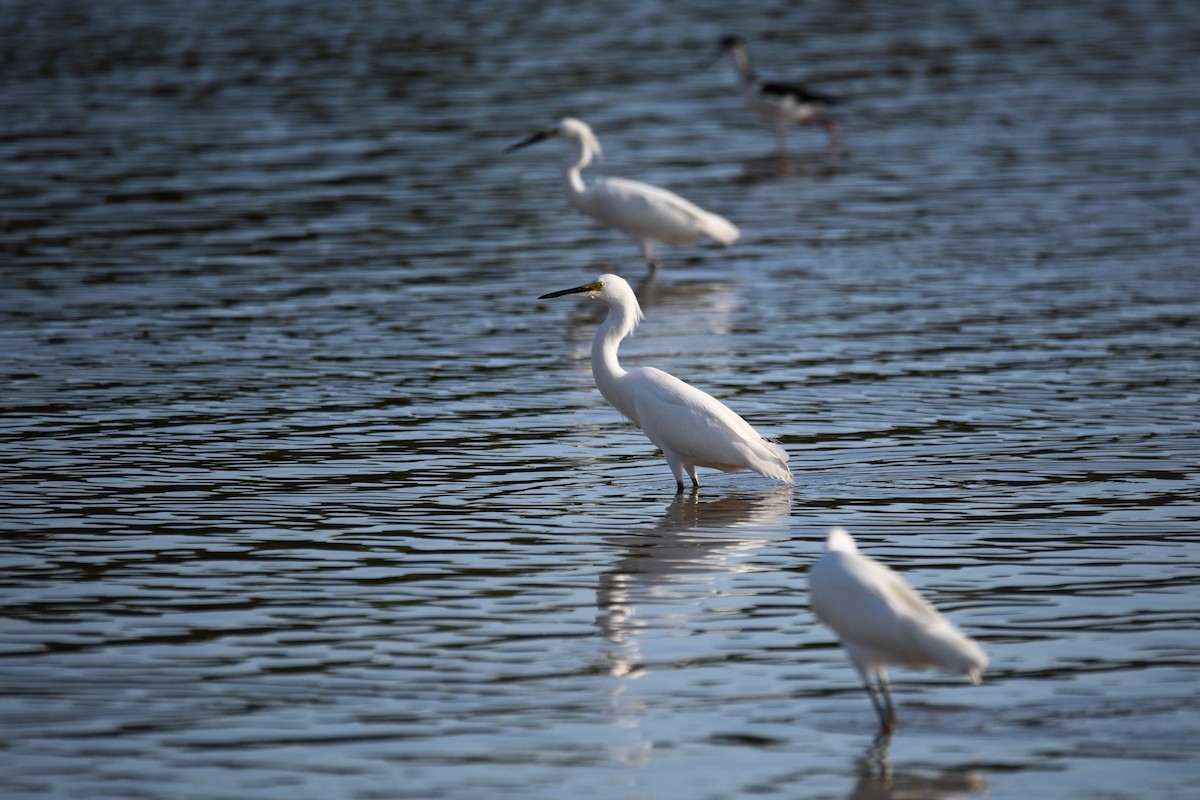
(676,565)
(877,781)
(667,566)
(762,169)
(647,289)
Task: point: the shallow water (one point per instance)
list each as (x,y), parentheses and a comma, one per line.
(306,495)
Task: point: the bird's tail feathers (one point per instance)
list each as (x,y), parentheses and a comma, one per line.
(955,652)
(722,230)
(783,472)
(773,463)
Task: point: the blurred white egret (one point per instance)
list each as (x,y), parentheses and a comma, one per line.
(693,429)
(646,213)
(781,104)
(881,621)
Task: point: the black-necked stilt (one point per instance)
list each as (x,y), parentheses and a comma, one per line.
(881,620)
(781,104)
(646,213)
(692,428)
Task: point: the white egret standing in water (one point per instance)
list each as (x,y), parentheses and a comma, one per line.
(881,621)
(643,212)
(692,428)
(781,104)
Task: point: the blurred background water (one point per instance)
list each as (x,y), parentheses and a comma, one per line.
(305,495)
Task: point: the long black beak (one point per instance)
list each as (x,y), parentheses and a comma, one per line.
(534,139)
(587,287)
(709,60)
(726,45)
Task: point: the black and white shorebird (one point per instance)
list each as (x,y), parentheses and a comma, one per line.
(781,104)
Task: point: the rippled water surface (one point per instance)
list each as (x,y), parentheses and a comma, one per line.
(305,494)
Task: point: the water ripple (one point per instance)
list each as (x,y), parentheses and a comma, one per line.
(306,493)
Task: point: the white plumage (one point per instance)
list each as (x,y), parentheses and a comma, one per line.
(646,213)
(881,620)
(692,428)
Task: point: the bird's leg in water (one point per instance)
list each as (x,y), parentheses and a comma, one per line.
(880,710)
(886,691)
(677,469)
(651,257)
(834,130)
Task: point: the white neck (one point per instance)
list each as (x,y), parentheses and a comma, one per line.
(572,177)
(741,62)
(606,369)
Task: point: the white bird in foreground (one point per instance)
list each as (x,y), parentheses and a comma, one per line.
(781,104)
(881,621)
(692,428)
(646,213)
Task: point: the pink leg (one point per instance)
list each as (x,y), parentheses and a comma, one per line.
(835,137)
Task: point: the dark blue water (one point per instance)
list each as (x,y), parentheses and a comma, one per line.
(306,495)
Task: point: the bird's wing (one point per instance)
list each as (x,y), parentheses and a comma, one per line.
(871,606)
(650,212)
(799,91)
(884,620)
(703,430)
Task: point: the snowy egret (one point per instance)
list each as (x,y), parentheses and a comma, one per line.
(781,104)
(881,621)
(643,212)
(692,428)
